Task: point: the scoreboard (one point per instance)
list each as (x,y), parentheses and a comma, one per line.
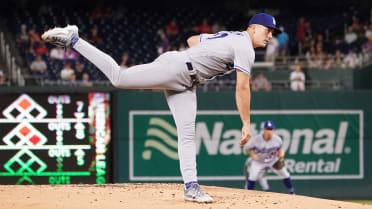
(55,138)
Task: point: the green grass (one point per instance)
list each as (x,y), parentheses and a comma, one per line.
(368,202)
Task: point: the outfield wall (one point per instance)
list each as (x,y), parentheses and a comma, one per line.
(325,135)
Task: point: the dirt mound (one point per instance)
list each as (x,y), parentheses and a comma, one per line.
(153,196)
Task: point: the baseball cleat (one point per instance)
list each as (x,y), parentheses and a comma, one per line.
(195,194)
(62,36)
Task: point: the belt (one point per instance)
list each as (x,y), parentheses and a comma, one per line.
(192,73)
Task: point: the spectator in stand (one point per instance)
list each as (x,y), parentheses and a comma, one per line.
(23,38)
(357,28)
(338,62)
(72,80)
(261,83)
(368,32)
(85,82)
(2,78)
(310,56)
(164,44)
(70,54)
(320,53)
(172,31)
(57,53)
(38,66)
(172,28)
(356,25)
(94,37)
(272,49)
(297,79)
(351,60)
(368,45)
(320,41)
(204,27)
(335,61)
(308,38)
(307,44)
(34,37)
(283,39)
(316,62)
(67,72)
(301,34)
(79,71)
(308,31)
(41,49)
(350,36)
(124,61)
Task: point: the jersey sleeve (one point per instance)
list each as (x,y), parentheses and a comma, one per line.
(280,142)
(243,59)
(250,144)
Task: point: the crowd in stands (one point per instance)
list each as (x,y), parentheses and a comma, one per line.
(36,53)
(338,52)
(313,48)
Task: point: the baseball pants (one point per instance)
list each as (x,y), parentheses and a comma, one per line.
(168,72)
(257,169)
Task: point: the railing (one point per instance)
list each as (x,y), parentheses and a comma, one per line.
(12,71)
(229,85)
(362,60)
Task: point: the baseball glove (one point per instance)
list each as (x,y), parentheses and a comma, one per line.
(279,164)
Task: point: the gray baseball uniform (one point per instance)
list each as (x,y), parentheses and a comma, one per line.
(215,55)
(219,53)
(267,152)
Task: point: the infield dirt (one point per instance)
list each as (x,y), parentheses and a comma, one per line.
(153,196)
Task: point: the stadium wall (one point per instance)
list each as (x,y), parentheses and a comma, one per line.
(325,135)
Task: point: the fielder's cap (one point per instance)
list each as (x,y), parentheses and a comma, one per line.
(269,125)
(265,20)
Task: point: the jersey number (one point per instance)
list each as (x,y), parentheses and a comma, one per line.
(219,35)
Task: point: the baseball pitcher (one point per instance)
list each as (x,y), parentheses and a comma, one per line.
(178,73)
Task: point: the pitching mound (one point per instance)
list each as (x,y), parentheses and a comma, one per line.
(153,196)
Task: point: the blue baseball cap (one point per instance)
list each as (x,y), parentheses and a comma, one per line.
(269,125)
(265,20)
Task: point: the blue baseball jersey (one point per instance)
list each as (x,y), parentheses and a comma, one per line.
(267,151)
(220,53)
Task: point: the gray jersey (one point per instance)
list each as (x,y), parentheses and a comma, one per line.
(267,151)
(219,53)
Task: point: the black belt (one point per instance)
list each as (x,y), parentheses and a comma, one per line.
(192,72)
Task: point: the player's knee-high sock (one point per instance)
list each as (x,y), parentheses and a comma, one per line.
(101,60)
(288,183)
(251,184)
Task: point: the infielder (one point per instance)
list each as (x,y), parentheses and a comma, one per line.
(178,73)
(262,178)
(266,152)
